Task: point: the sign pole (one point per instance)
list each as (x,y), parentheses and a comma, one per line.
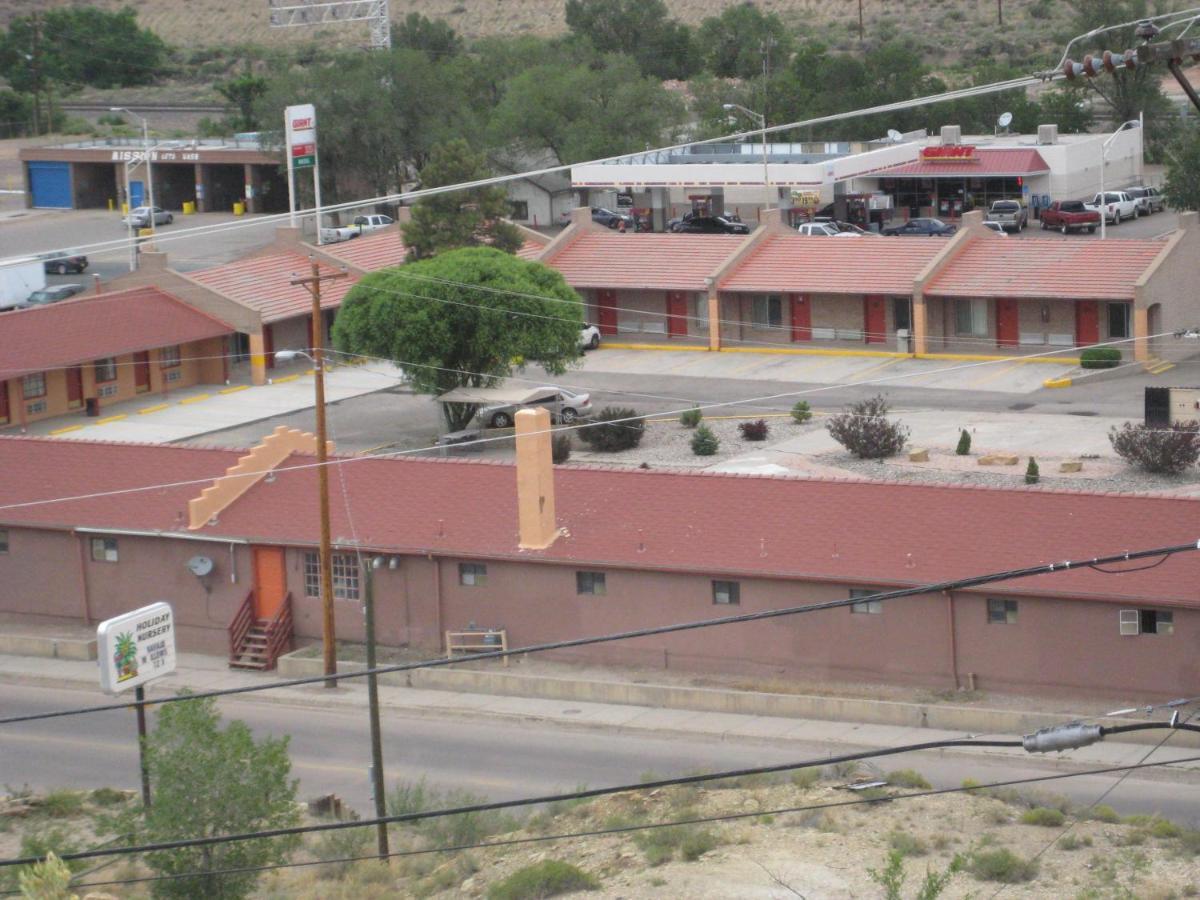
(140,695)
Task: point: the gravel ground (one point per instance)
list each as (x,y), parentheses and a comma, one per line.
(666,443)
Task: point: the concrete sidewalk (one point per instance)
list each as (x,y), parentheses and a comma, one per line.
(202,673)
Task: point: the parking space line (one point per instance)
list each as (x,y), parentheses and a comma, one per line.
(108,419)
(153,409)
(67,428)
(234,389)
(284,379)
(998,372)
(870,370)
(186,400)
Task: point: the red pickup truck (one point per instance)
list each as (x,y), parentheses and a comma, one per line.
(1070,215)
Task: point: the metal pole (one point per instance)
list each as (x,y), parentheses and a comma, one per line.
(1103,204)
(317,190)
(762,121)
(328,632)
(149,173)
(291,176)
(129,222)
(377,789)
(140,696)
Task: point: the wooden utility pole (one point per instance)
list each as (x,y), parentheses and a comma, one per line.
(312,283)
(35,63)
(999,12)
(860,20)
(377,789)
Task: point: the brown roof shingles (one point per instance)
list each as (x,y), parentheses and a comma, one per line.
(264,283)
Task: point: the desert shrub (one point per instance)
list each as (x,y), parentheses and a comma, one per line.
(560,448)
(909,778)
(806,778)
(549,878)
(865,431)
(1166,451)
(754,431)
(690,418)
(801,412)
(964,443)
(1001,865)
(614,428)
(1100,358)
(1044,816)
(463,828)
(659,845)
(342,843)
(107,796)
(696,843)
(1032,475)
(704,442)
(1103,813)
(1189,842)
(907,844)
(62,804)
(1074,842)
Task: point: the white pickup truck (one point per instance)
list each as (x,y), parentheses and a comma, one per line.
(360,226)
(1115,206)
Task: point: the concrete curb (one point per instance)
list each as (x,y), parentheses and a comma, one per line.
(869,354)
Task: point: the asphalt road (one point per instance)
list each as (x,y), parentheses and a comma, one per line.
(503,759)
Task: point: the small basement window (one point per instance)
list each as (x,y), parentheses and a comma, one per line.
(1002,612)
(104,549)
(590,583)
(871,607)
(1147,621)
(726,593)
(472,574)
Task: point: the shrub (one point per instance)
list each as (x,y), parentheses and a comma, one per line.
(801,412)
(1001,865)
(1074,842)
(754,431)
(549,878)
(909,778)
(107,796)
(704,442)
(1100,358)
(1166,451)
(659,844)
(864,430)
(907,844)
(1031,472)
(63,804)
(1044,816)
(1103,813)
(560,448)
(690,418)
(964,444)
(806,778)
(614,428)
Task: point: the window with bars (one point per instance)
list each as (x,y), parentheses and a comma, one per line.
(726,593)
(33,385)
(106,369)
(345,575)
(472,574)
(1001,612)
(869,607)
(590,583)
(104,550)
(169,357)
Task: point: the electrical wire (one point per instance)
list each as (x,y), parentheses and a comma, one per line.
(437,662)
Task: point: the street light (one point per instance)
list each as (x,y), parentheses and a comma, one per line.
(761,119)
(1131,123)
(149,175)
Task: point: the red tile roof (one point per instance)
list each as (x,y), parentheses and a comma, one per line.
(866,265)
(678,262)
(371,251)
(987,163)
(264,283)
(531,248)
(1046,267)
(97,326)
(744,526)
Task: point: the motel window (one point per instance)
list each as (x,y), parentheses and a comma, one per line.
(3,540)
(970,317)
(1147,621)
(1118,320)
(106,369)
(1002,612)
(726,593)
(519,209)
(590,583)
(865,607)
(345,576)
(33,385)
(768,311)
(169,357)
(104,549)
(472,574)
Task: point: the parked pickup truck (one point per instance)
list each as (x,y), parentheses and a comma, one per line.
(1070,215)
(1009,215)
(360,226)
(1117,205)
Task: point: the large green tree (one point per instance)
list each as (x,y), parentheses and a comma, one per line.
(464,218)
(1182,186)
(744,42)
(432,36)
(243,92)
(661,46)
(460,319)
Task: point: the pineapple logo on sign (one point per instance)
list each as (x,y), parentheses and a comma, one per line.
(125,657)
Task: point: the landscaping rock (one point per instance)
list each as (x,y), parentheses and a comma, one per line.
(998,459)
(1070,465)
(918,455)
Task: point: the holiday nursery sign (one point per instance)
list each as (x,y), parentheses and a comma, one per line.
(136,648)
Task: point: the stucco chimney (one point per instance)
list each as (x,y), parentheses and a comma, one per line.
(535,480)
(1047,134)
(951,134)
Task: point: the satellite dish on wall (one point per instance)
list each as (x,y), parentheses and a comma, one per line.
(1005,120)
(894,136)
(200,566)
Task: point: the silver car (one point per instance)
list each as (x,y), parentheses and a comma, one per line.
(139,217)
(565,406)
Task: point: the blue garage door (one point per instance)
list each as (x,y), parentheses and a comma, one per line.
(50,183)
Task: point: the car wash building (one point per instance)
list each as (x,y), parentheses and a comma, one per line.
(214,174)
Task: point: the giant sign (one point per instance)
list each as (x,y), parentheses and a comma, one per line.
(949,153)
(301,124)
(136,647)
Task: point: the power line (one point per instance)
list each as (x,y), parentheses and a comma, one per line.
(937,587)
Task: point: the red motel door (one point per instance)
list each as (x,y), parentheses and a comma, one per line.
(677,314)
(1007,329)
(606,308)
(3,402)
(1087,322)
(141,372)
(874,319)
(269,346)
(74,387)
(270,581)
(801,318)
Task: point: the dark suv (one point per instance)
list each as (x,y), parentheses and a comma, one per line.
(712,225)
(64,262)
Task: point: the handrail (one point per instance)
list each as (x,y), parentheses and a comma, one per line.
(279,632)
(240,626)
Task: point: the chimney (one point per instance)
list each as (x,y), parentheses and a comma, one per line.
(535,480)
(1047,134)
(951,135)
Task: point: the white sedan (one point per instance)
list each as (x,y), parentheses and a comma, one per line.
(140,217)
(589,337)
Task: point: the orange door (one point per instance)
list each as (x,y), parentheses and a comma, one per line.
(606,309)
(270,581)
(1007,327)
(801,318)
(141,372)
(269,346)
(874,319)
(1087,322)
(677,314)
(74,387)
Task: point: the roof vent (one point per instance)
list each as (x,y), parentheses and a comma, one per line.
(951,134)
(1047,134)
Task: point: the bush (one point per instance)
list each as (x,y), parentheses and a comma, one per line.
(909,778)
(1166,451)
(1031,472)
(690,418)
(614,428)
(1100,358)
(964,444)
(907,844)
(549,878)
(1103,813)
(1044,816)
(1001,865)
(660,844)
(801,412)
(560,448)
(864,430)
(754,431)
(704,442)
(806,778)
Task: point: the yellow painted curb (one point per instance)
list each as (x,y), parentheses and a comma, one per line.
(234,389)
(797,351)
(186,400)
(882,354)
(313,371)
(1056,383)
(68,428)
(105,421)
(1158,370)
(691,347)
(153,409)
(983,357)
(284,378)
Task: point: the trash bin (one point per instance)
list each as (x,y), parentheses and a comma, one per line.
(189,207)
(92,406)
(239,208)
(902,340)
